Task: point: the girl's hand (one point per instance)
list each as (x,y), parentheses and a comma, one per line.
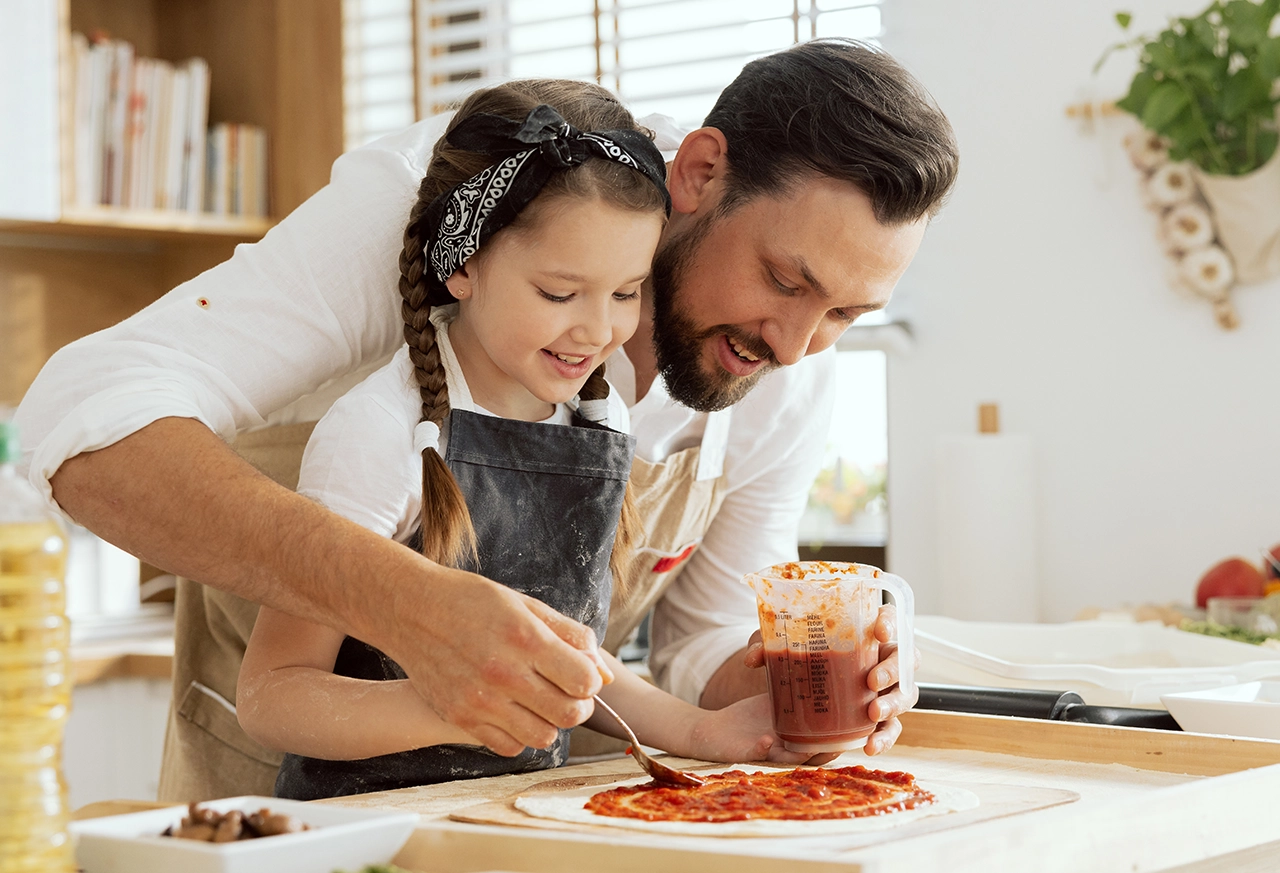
(739,733)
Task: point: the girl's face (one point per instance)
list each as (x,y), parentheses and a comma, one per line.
(542,307)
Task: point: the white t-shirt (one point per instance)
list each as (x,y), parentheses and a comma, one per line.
(314,305)
(360,460)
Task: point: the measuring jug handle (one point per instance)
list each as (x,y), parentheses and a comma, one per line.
(905,602)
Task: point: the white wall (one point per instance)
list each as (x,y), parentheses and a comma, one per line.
(1041,287)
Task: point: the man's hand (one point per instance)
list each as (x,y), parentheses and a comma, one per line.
(507,669)
(886,708)
(504,667)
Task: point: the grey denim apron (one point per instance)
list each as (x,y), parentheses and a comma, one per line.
(545,501)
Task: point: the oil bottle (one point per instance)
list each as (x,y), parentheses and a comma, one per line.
(35,674)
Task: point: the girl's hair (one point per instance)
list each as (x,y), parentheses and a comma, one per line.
(447,533)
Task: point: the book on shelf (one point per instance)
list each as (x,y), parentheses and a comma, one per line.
(116,132)
(236,170)
(140,129)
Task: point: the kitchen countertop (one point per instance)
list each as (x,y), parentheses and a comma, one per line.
(122,659)
(122,647)
(1148,801)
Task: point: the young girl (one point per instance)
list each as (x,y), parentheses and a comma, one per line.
(491,441)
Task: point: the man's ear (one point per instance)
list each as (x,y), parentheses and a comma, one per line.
(462,281)
(697,175)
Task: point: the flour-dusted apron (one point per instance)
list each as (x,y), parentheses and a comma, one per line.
(676,500)
(545,501)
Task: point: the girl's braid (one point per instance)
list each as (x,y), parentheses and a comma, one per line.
(595,388)
(419,332)
(448,536)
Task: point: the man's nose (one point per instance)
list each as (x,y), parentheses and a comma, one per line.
(790,338)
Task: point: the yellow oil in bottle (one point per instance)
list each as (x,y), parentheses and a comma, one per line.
(35,681)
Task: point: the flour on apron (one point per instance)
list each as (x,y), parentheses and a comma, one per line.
(544,500)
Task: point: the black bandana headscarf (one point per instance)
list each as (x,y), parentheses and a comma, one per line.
(531,151)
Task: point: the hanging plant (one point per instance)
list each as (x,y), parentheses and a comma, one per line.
(1205,93)
(1204,84)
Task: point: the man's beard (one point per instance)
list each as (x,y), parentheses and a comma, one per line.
(678,342)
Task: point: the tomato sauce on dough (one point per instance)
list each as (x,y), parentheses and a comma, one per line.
(801,795)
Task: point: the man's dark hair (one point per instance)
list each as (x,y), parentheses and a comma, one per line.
(843,109)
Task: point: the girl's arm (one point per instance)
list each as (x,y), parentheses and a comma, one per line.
(289,699)
(738,733)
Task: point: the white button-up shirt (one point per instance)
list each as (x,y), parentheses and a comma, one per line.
(314,307)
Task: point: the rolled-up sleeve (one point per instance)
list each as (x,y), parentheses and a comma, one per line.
(316,298)
(776,447)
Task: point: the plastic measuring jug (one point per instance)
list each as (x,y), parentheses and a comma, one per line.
(818,620)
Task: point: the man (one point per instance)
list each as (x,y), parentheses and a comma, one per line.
(796,209)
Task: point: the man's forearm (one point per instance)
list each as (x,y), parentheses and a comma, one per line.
(504,667)
(732,682)
(178,497)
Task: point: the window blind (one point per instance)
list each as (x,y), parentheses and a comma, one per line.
(378,69)
(668,56)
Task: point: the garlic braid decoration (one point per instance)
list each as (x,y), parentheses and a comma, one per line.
(1200,265)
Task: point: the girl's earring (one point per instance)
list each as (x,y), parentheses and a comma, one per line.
(459,285)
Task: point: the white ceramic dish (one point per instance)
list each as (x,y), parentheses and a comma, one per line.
(340,838)
(1251,709)
(1109,663)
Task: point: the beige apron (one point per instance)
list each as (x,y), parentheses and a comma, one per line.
(207,755)
(676,500)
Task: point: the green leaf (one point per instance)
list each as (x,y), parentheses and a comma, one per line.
(1166,103)
(1267,140)
(1139,90)
(1161,56)
(1203,33)
(1242,91)
(1246,22)
(1185,129)
(1124,19)
(1268,62)
(1208,72)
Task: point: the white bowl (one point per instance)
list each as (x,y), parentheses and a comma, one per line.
(1251,709)
(340,837)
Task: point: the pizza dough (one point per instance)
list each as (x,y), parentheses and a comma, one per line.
(567,806)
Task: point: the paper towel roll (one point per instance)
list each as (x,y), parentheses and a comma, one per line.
(987,527)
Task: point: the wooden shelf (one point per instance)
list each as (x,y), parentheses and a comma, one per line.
(144,224)
(276,64)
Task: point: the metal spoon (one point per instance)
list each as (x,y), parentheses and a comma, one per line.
(659,772)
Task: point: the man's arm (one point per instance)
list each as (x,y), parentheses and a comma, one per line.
(503,667)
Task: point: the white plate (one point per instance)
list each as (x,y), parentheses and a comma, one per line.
(1251,709)
(340,838)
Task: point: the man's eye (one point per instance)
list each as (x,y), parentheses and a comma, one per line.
(783,287)
(845,315)
(554,298)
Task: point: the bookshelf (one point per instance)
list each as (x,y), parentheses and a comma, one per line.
(273,63)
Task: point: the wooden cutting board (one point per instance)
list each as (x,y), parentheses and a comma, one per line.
(996,801)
